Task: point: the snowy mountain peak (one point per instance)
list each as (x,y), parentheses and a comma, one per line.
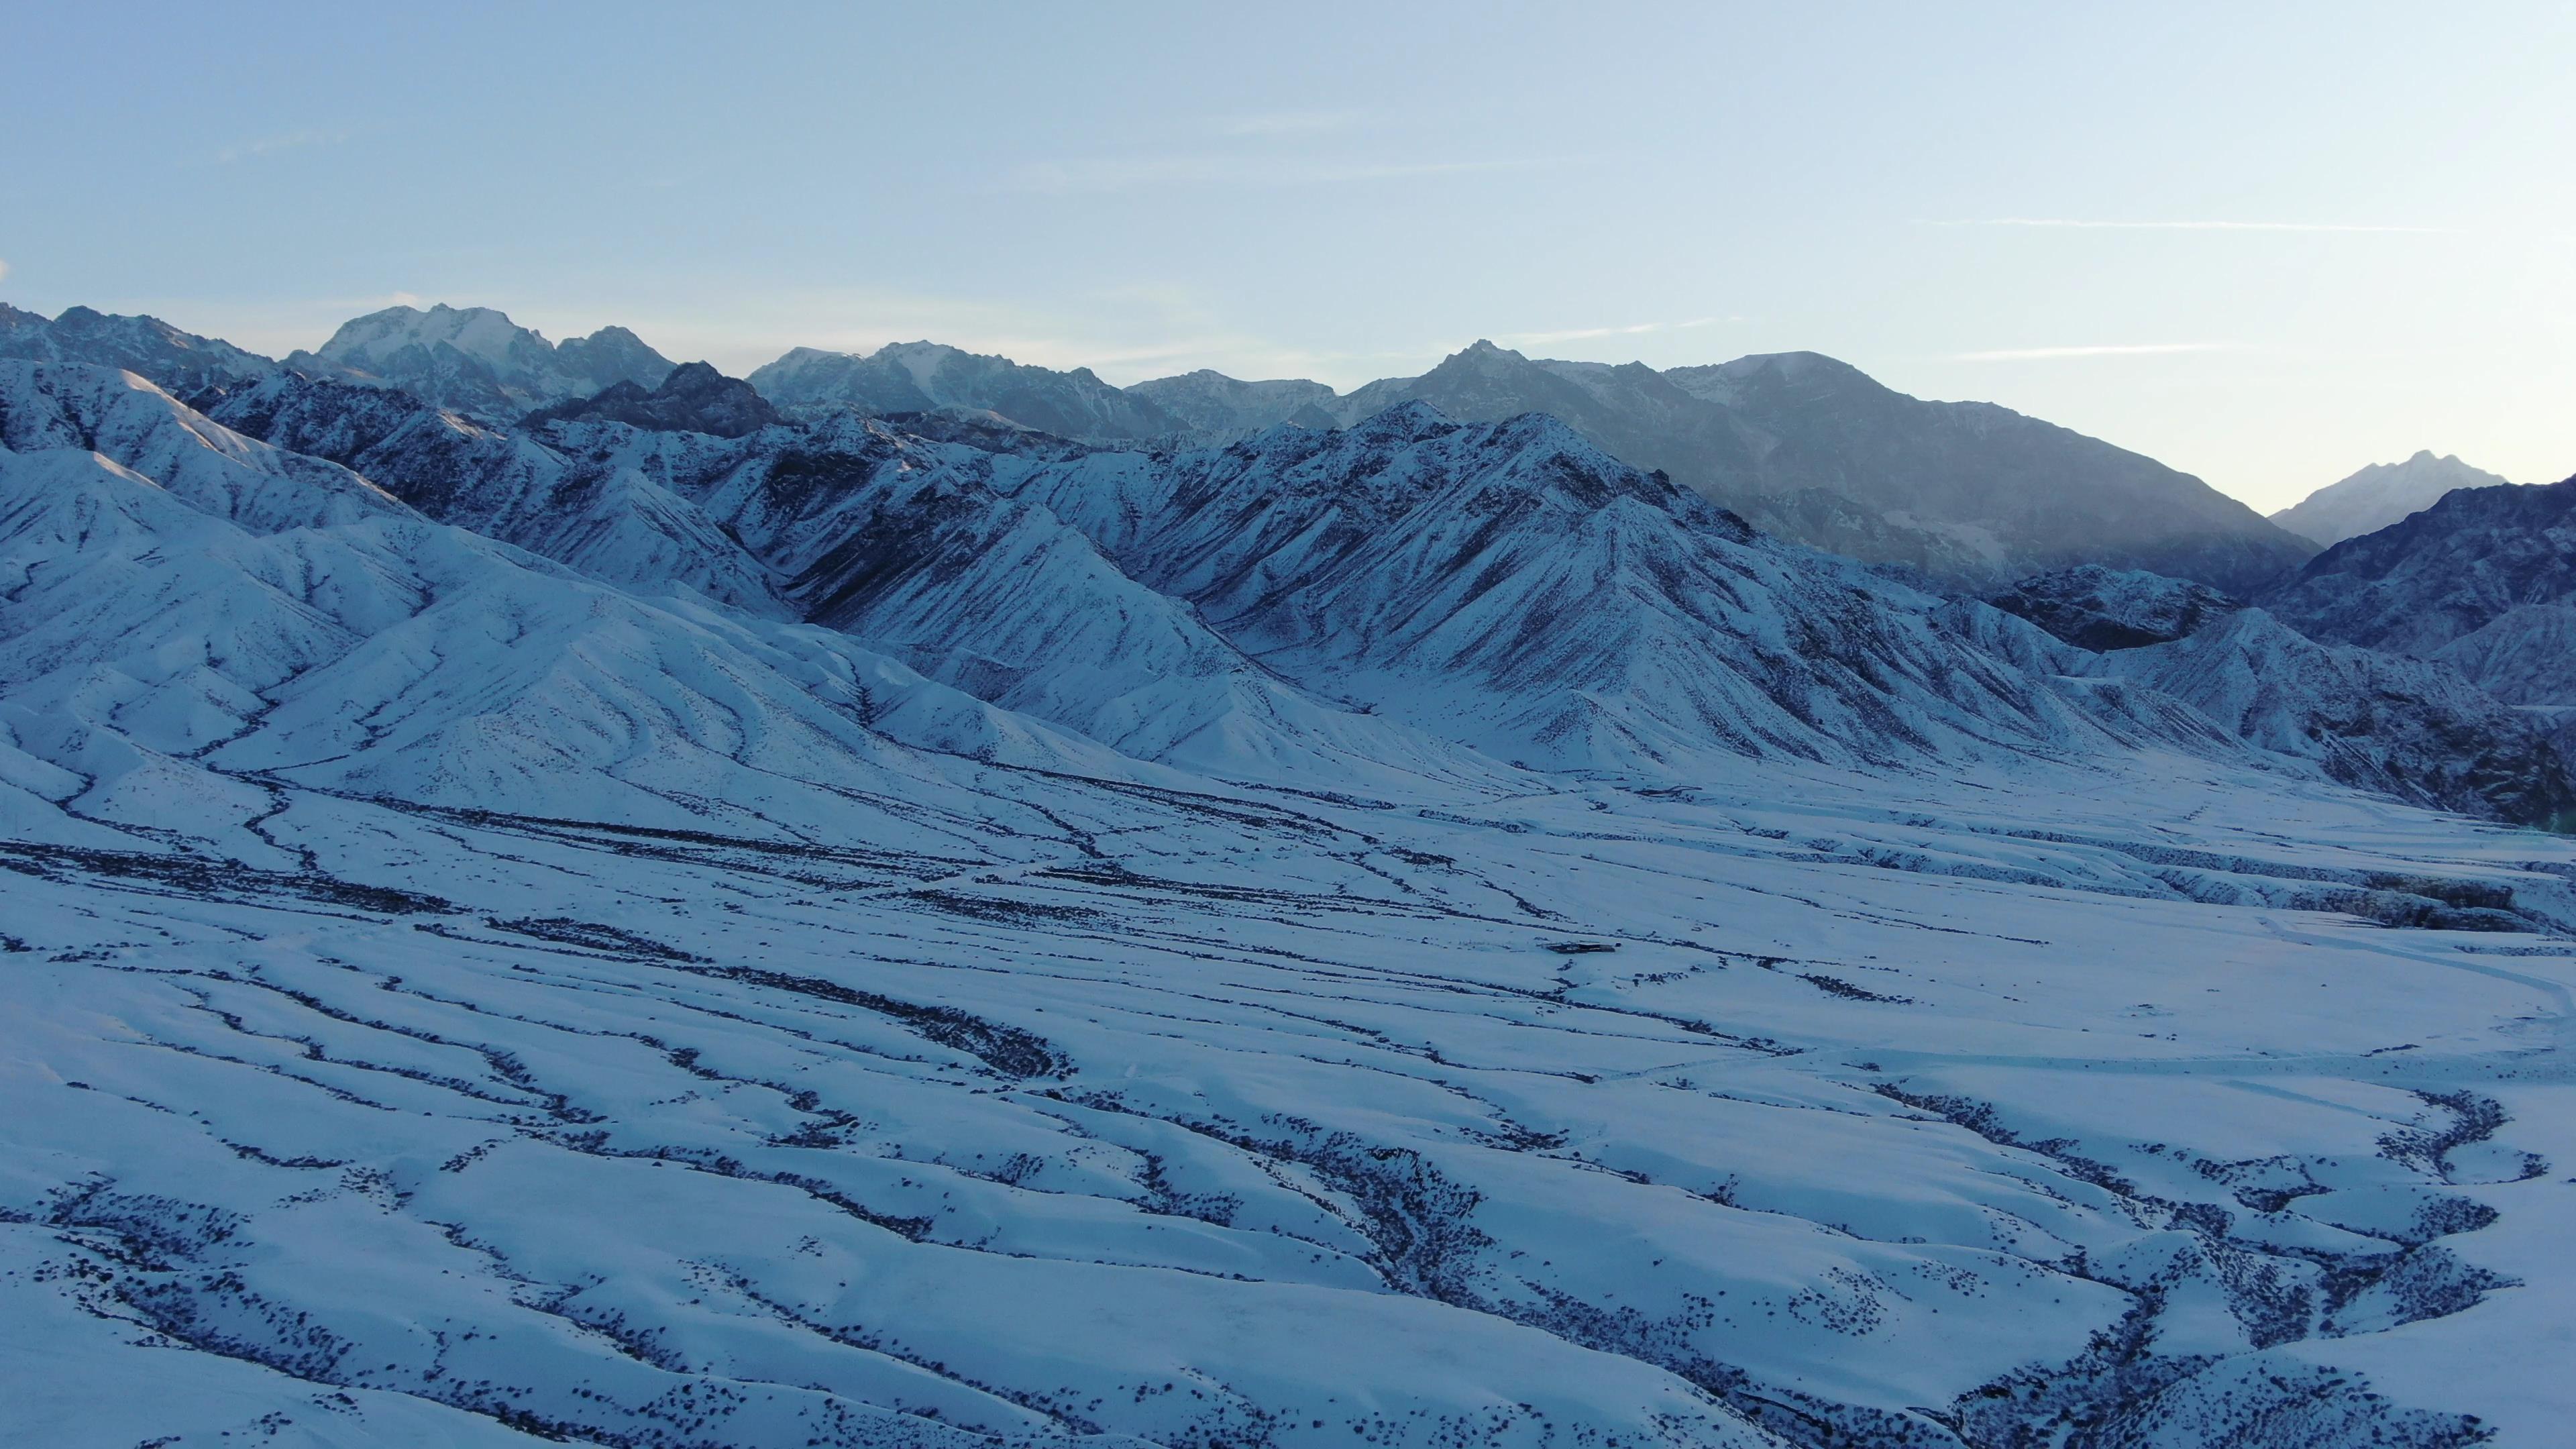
(1781,380)
(2379,495)
(922,360)
(475,360)
(483,333)
(795,359)
(1483,356)
(610,356)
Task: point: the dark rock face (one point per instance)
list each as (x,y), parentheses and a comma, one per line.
(695,398)
(2484,579)
(2103,609)
(335,420)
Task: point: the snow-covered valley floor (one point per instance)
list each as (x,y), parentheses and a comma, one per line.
(2159,1105)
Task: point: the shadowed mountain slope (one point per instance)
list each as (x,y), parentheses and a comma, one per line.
(2485,579)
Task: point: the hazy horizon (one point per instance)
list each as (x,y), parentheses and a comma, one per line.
(2266,249)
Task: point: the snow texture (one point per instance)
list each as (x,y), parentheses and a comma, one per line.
(1420,935)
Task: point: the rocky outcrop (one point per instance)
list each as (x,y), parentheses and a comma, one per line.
(695,398)
(2103,609)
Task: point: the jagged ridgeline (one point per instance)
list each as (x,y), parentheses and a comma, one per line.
(1968,494)
(1805,446)
(553,896)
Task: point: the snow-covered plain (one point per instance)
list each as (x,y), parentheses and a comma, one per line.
(453,999)
(1887,1113)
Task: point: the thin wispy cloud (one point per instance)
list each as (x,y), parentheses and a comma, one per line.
(1289,123)
(2111,349)
(270,145)
(4,270)
(1136,173)
(1580,334)
(2085,224)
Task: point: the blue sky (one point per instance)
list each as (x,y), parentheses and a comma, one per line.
(2265,244)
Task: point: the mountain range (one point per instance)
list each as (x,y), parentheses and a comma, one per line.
(1805,446)
(1313,599)
(147,346)
(668,916)
(1961,495)
(911,377)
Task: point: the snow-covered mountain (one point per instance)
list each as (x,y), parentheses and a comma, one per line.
(1215,408)
(1971,494)
(2378,496)
(907,377)
(476,361)
(1356,605)
(2410,729)
(229,612)
(1979,481)
(1509,588)
(455,998)
(180,362)
(95,410)
(615,524)
(2484,579)
(899,540)
(1967,494)
(1512,585)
